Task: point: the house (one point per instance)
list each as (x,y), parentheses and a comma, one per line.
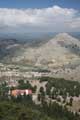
(18,92)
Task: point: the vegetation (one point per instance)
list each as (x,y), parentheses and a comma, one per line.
(25,110)
(27,85)
(61,86)
(23,107)
(20,111)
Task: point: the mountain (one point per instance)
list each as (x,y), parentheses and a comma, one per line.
(8,46)
(60,55)
(61,50)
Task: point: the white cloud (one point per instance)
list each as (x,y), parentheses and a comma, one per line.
(47,19)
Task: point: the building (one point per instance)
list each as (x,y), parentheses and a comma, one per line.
(18,92)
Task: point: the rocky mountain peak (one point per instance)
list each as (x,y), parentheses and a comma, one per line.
(63,35)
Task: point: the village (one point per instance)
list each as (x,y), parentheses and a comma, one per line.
(37,88)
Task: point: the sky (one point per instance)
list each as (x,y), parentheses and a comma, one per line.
(39,15)
(39,3)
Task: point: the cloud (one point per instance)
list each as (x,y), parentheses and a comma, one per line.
(75,23)
(53,19)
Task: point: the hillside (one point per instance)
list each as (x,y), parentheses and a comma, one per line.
(61,54)
(59,51)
